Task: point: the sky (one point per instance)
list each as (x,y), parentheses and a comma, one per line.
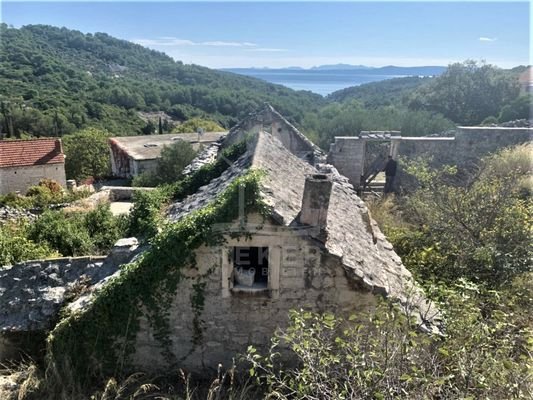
(305,34)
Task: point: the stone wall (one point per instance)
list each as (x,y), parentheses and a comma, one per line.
(300,277)
(473,142)
(21,178)
(468,145)
(440,149)
(33,292)
(347,154)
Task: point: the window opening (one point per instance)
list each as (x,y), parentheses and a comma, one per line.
(250,266)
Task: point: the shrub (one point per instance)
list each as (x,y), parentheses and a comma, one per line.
(62,231)
(382,355)
(78,233)
(52,185)
(15,245)
(476,227)
(104,228)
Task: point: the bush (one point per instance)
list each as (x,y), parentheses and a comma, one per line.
(382,355)
(78,233)
(62,231)
(475,227)
(145,215)
(15,245)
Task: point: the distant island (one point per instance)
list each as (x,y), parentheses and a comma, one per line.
(388,69)
(326,79)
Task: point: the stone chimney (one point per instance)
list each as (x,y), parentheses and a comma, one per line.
(59,146)
(315,203)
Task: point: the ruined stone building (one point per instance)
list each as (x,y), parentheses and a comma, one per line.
(359,157)
(315,247)
(133,155)
(318,250)
(23,163)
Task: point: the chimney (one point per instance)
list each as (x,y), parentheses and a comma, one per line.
(59,146)
(315,203)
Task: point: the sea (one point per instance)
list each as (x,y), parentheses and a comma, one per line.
(322,82)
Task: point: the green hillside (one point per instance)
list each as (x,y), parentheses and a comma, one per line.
(54,81)
(394,91)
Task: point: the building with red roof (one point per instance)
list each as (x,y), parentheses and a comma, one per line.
(23,163)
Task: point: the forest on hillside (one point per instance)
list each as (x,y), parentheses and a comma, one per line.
(56,81)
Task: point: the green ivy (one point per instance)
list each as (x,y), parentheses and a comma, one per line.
(100,340)
(146,213)
(191,183)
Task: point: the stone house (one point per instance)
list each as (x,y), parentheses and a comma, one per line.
(133,155)
(318,250)
(23,163)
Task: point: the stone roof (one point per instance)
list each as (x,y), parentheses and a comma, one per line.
(24,153)
(352,235)
(148,147)
(32,292)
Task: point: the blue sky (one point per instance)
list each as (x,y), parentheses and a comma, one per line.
(279,34)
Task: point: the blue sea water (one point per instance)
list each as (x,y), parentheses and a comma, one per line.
(322,82)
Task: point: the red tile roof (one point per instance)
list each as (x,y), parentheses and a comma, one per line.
(20,153)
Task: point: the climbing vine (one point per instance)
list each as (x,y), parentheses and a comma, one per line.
(197,302)
(100,340)
(145,216)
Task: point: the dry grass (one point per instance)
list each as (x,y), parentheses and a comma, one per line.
(28,382)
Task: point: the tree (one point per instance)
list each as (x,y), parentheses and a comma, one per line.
(174,158)
(87,154)
(468,92)
(193,124)
(476,227)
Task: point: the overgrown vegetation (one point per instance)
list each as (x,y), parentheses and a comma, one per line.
(174,158)
(475,225)
(47,193)
(15,244)
(58,233)
(145,215)
(382,355)
(78,233)
(113,315)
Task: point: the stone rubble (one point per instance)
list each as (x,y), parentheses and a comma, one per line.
(10,214)
(206,156)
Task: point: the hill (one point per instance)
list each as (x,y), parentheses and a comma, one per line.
(383,93)
(55,80)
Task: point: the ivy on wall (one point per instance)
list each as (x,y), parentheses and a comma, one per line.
(145,215)
(100,340)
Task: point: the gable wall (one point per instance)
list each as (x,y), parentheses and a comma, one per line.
(21,178)
(230,322)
